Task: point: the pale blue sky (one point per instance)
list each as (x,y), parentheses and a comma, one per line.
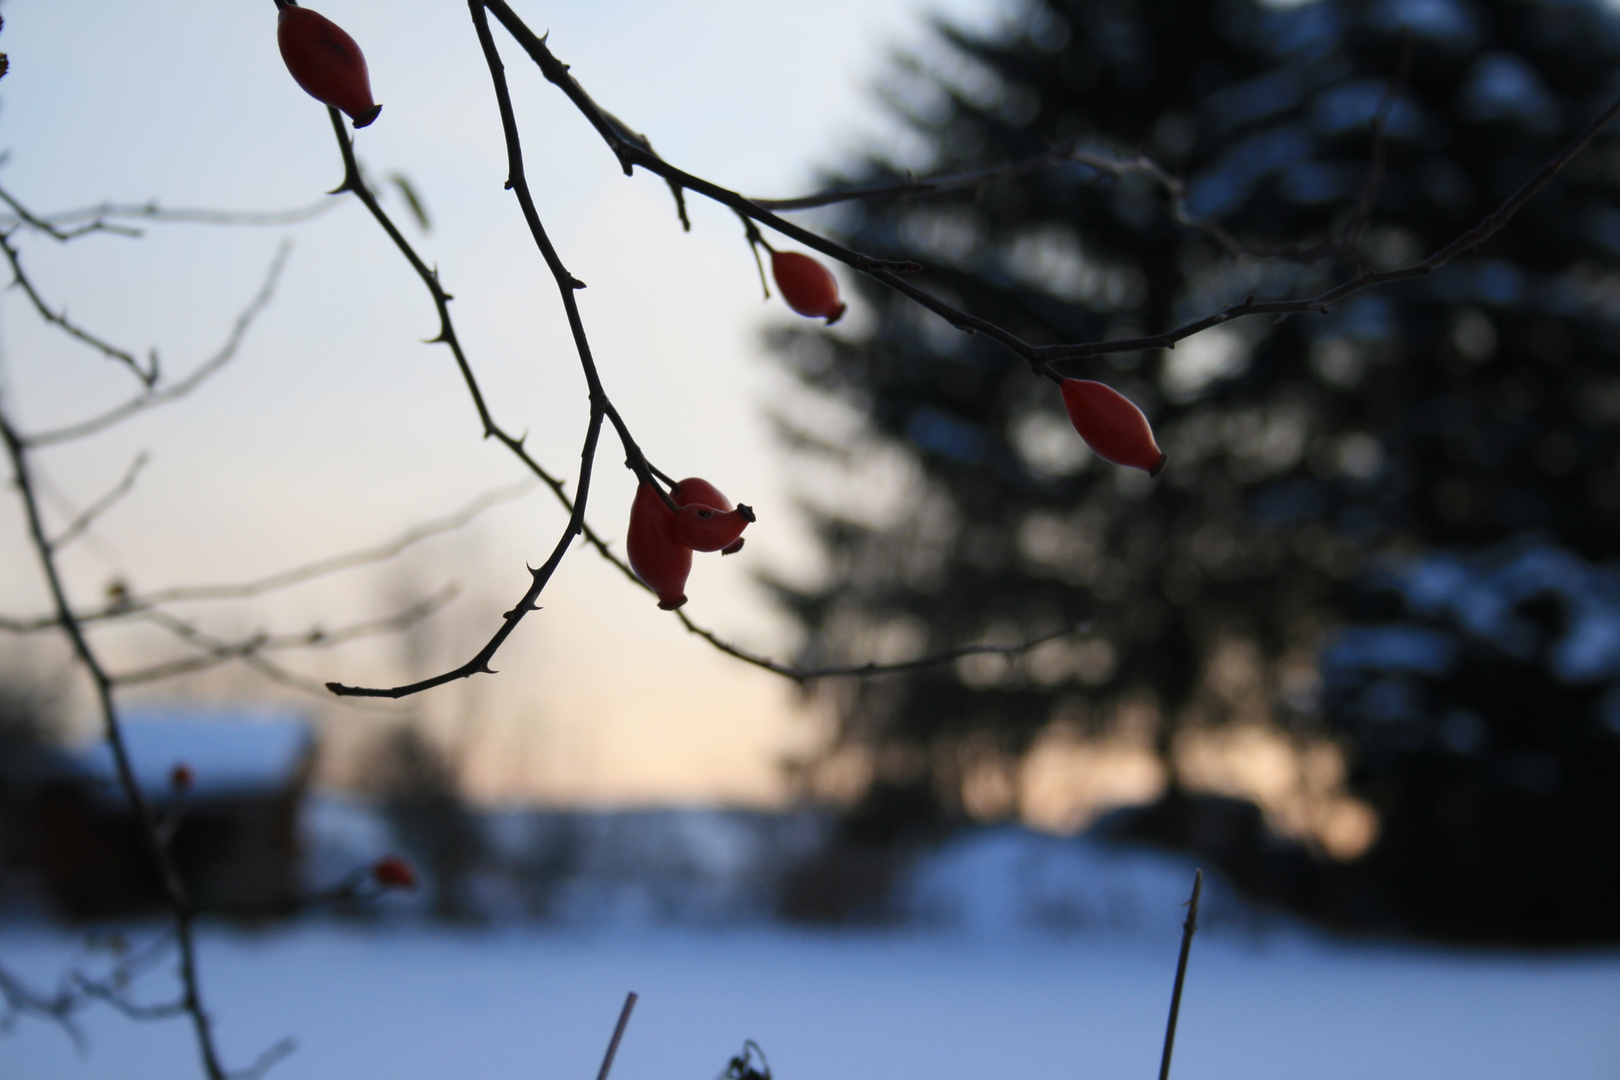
(336,427)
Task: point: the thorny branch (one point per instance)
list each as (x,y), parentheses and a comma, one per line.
(538,577)
(633,150)
(635,459)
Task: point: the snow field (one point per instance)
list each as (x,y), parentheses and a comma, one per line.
(404,1002)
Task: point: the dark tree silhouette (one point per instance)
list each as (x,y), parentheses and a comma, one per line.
(1472,407)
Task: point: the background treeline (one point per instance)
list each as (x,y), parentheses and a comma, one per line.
(1396,521)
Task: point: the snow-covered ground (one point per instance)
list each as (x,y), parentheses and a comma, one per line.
(403,1001)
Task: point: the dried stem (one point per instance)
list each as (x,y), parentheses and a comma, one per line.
(1188,928)
(618,1033)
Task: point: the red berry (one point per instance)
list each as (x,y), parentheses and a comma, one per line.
(703,528)
(394,873)
(659,560)
(694,491)
(1111,425)
(808,287)
(181,778)
(325,62)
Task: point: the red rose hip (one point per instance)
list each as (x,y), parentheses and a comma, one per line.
(698,530)
(697,490)
(1111,425)
(393,872)
(659,560)
(703,528)
(808,287)
(325,62)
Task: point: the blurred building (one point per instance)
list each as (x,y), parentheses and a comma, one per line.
(226,789)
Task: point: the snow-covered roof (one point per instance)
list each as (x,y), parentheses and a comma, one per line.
(229,751)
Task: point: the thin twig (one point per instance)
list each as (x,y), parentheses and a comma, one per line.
(80,524)
(1356,224)
(945,656)
(267,1060)
(153,396)
(59,1008)
(1115,168)
(131,1010)
(618,1033)
(147,375)
(130,605)
(1188,928)
(216,651)
(94,218)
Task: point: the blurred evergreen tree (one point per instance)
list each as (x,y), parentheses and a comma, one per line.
(1475,407)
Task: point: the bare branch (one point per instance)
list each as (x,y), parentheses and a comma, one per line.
(153,396)
(127,605)
(95,218)
(148,375)
(634,149)
(267,1060)
(1115,168)
(21,1000)
(179,901)
(134,1011)
(870,669)
(333,564)
(1356,225)
(216,650)
(78,525)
